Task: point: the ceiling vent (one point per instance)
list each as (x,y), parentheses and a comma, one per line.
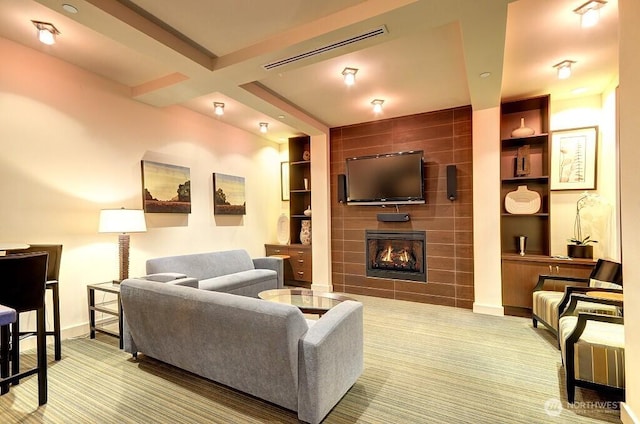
(381,30)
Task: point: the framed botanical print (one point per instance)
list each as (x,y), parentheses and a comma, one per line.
(573,159)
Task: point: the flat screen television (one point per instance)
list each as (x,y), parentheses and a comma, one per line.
(394,178)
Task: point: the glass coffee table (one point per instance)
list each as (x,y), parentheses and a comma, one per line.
(308,301)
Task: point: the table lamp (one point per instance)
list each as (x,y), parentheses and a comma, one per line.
(122,221)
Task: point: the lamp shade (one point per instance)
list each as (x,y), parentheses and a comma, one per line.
(122,221)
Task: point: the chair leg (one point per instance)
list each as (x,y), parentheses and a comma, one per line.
(56,321)
(535,322)
(4,357)
(15,348)
(42,357)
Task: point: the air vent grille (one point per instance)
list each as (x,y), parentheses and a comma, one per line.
(357,38)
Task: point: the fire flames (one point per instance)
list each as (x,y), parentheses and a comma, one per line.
(395,258)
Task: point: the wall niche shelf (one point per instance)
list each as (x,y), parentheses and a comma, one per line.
(519,274)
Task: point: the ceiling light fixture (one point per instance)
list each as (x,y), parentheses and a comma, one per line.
(377,105)
(218,108)
(590,12)
(564,68)
(264,126)
(485,75)
(349,75)
(46,32)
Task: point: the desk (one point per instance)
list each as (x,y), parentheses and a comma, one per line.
(109,307)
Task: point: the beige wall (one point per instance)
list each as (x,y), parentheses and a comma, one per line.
(486,212)
(600,222)
(72,144)
(629,11)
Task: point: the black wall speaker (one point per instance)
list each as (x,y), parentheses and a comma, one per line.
(452,182)
(342,188)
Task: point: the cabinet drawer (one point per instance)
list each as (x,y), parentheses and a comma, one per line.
(276,250)
(300,253)
(302,274)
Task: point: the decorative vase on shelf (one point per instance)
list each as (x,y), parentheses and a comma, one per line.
(307,212)
(522,131)
(305,232)
(306,154)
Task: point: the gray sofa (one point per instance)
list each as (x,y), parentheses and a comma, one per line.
(231,271)
(268,350)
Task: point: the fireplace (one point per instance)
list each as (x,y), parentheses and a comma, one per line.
(399,255)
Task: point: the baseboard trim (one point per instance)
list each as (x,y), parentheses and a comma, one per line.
(326,288)
(66,333)
(488,309)
(626,414)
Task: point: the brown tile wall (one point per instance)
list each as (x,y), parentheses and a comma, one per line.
(445,137)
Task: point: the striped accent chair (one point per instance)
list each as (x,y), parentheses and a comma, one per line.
(552,293)
(592,347)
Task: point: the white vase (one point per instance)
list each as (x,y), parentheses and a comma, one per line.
(305,232)
(522,131)
(307,212)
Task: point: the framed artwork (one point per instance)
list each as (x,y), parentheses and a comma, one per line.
(284,180)
(165,188)
(228,195)
(573,159)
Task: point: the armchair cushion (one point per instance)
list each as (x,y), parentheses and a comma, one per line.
(603,284)
(598,354)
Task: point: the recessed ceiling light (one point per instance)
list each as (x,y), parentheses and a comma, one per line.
(485,75)
(590,12)
(564,68)
(377,105)
(218,108)
(349,75)
(46,32)
(280,116)
(69,8)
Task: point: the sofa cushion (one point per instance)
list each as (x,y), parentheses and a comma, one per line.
(233,282)
(203,265)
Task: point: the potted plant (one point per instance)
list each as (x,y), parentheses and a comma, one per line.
(580,247)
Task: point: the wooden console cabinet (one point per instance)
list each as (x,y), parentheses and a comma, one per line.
(520,276)
(297,262)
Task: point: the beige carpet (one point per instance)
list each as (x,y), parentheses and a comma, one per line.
(423,364)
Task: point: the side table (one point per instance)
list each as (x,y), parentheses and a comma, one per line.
(110,307)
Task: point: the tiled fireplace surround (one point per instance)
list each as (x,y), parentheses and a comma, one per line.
(445,137)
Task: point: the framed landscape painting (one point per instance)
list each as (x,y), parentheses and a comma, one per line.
(165,188)
(573,159)
(228,195)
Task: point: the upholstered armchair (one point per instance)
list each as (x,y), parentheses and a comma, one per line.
(553,292)
(592,347)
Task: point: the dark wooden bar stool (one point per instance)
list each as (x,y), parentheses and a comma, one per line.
(7,317)
(22,287)
(53,271)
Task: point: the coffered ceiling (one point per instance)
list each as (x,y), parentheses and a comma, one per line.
(429,56)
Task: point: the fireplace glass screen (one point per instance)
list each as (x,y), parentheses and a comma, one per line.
(396,254)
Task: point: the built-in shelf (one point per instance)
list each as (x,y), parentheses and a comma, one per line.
(515,180)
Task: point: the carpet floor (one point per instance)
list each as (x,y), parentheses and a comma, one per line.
(423,364)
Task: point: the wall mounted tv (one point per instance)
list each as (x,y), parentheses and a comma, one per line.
(394,178)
